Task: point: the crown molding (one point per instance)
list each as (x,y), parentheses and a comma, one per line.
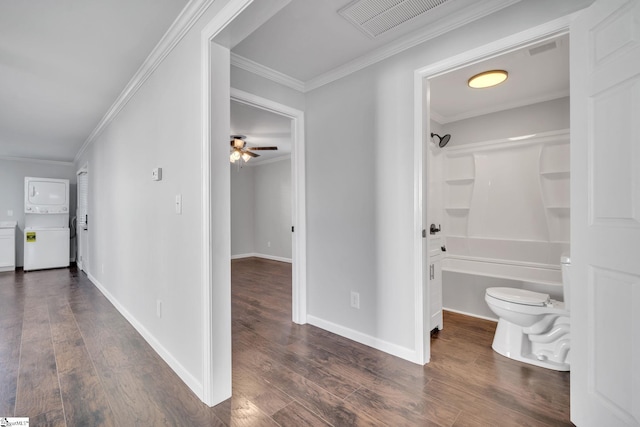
(500,107)
(470,14)
(178,29)
(41,161)
(266,72)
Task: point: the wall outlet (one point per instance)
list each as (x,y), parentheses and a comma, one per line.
(355,299)
(269,244)
(159,309)
(156,174)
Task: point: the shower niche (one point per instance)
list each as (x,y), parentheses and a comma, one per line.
(505,207)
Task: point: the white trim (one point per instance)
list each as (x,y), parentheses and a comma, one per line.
(214,390)
(191,381)
(421,121)
(41,161)
(422,345)
(266,72)
(477,316)
(298,199)
(179,28)
(85,251)
(264,256)
(368,340)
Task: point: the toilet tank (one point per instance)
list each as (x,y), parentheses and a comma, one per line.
(565,261)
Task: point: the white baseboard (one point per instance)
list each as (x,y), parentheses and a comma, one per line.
(189,380)
(368,340)
(477,316)
(257,255)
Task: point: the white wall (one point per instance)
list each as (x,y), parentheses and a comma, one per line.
(140,250)
(12,174)
(261,210)
(273,209)
(537,118)
(361,202)
(242,210)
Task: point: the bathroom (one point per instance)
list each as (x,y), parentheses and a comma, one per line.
(499,188)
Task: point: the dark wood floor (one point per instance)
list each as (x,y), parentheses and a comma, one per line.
(67,357)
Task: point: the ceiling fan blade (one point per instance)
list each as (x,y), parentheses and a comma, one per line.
(250,153)
(262,148)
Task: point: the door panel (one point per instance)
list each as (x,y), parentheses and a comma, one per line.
(605,215)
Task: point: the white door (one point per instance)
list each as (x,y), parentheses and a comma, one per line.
(82,224)
(605,214)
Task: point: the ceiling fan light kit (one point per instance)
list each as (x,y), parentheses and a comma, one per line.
(240,151)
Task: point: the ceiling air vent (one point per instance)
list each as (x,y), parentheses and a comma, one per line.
(375,17)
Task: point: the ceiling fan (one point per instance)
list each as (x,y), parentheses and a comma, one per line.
(239,150)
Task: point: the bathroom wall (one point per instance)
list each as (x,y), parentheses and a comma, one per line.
(536,118)
(505,204)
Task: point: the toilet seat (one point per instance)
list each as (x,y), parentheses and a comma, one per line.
(519,296)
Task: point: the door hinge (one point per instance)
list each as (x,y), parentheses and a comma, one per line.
(424,233)
(292,228)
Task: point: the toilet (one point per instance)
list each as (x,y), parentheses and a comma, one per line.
(533,328)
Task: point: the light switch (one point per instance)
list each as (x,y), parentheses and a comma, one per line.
(178,204)
(9,212)
(156,174)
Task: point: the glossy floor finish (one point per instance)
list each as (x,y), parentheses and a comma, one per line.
(67,357)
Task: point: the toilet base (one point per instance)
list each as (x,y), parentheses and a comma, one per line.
(510,341)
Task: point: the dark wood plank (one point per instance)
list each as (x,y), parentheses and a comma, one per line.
(38,392)
(67,357)
(295,415)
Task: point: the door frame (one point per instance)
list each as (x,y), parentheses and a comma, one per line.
(85,250)
(298,197)
(422,118)
(216,205)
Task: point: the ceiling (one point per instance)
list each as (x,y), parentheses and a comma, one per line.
(63,64)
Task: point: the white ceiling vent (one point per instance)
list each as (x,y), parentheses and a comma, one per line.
(376,17)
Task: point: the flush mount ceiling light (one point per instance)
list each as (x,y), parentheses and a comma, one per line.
(488,79)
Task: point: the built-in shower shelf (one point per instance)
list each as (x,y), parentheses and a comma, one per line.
(457,208)
(559,208)
(555,174)
(460,180)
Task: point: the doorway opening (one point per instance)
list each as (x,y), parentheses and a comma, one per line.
(261,194)
(445,200)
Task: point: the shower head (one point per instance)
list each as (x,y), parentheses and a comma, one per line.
(442,140)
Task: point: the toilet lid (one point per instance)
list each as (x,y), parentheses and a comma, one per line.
(519,296)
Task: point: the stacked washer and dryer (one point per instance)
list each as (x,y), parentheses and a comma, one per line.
(46,232)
